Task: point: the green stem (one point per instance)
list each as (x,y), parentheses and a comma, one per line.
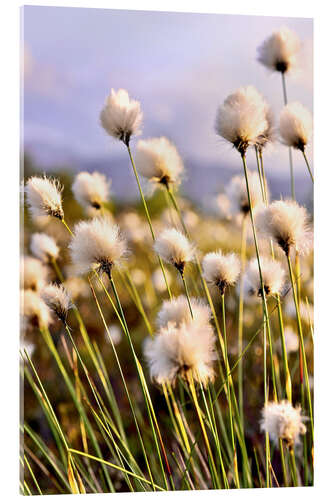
(264,303)
(240,320)
(292,179)
(187,294)
(147,216)
(150,409)
(235,464)
(308,165)
(300,333)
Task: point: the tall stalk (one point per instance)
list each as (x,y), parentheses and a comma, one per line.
(241,319)
(308,165)
(266,316)
(303,362)
(292,178)
(235,462)
(147,215)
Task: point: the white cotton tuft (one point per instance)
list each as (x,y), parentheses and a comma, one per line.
(91,191)
(158,160)
(180,350)
(44,247)
(43,196)
(279,52)
(96,244)
(34,273)
(273,277)
(58,300)
(221,269)
(291,340)
(283,421)
(287,223)
(236,192)
(176,311)
(115,333)
(121,116)
(269,134)
(34,311)
(241,119)
(295,125)
(174,248)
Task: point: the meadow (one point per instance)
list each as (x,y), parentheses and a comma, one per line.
(164,346)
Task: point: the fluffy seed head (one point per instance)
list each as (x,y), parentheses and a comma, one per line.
(221,270)
(115,334)
(291,340)
(58,300)
(44,247)
(34,310)
(269,134)
(279,52)
(91,190)
(43,196)
(96,244)
(178,350)
(295,125)
(236,192)
(176,311)
(287,223)
(158,160)
(283,421)
(272,276)
(173,247)
(121,116)
(33,273)
(241,119)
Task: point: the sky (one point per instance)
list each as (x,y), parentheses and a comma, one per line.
(179,66)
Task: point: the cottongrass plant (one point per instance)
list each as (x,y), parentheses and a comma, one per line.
(44,197)
(296,128)
(223,271)
(158,160)
(281,53)
(273,277)
(58,300)
(236,192)
(34,274)
(283,421)
(241,120)
(121,118)
(91,191)
(44,247)
(97,245)
(175,249)
(93,445)
(34,311)
(287,223)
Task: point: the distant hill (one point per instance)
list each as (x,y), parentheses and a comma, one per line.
(201,180)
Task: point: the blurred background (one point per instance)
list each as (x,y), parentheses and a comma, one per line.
(179,66)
